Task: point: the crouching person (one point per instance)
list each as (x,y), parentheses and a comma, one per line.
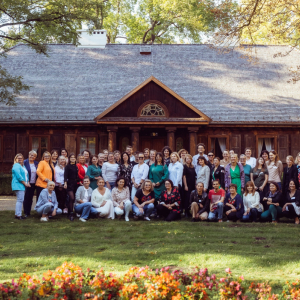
(234,208)
(199,203)
(47,204)
(216,197)
(101,200)
(83,204)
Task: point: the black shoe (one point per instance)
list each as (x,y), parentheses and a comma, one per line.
(194,220)
(71,217)
(19,218)
(26,216)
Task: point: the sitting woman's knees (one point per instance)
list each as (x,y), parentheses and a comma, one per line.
(150,205)
(220,204)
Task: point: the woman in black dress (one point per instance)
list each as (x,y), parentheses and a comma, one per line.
(166,151)
(189,181)
(125,169)
(218,172)
(71,180)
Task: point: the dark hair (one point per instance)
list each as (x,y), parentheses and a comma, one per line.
(71,154)
(276,184)
(86,150)
(62,149)
(54,150)
(116,151)
(233,185)
(200,144)
(122,161)
(171,182)
(264,151)
(292,180)
(136,152)
(216,180)
(86,177)
(162,158)
(210,152)
(168,148)
(146,149)
(128,146)
(248,148)
(263,165)
(92,158)
(218,158)
(202,157)
(120,178)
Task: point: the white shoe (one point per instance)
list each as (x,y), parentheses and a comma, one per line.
(126,219)
(147,219)
(78,215)
(82,220)
(44,219)
(65,211)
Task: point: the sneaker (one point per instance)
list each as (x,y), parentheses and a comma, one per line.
(19,218)
(82,219)
(126,219)
(220,221)
(44,219)
(152,215)
(78,215)
(147,219)
(65,211)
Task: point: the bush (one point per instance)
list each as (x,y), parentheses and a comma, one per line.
(5,184)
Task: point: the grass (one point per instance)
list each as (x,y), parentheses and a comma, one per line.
(257,251)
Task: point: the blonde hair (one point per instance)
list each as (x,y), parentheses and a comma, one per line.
(182,150)
(143,184)
(191,158)
(290,157)
(296,158)
(234,154)
(176,154)
(16,157)
(46,152)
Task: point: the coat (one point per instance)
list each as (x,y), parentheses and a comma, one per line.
(27,166)
(228,176)
(219,175)
(44,171)
(18,175)
(43,199)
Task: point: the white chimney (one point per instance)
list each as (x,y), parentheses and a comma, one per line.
(95,40)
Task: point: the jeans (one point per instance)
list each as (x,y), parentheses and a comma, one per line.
(28,199)
(84,209)
(112,185)
(253,215)
(273,213)
(47,209)
(20,199)
(133,192)
(217,214)
(148,208)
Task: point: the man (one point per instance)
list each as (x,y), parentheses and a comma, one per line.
(129,150)
(117,156)
(47,205)
(216,197)
(201,150)
(83,205)
(199,203)
(136,158)
(251,161)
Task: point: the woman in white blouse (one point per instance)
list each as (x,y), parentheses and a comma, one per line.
(121,198)
(252,206)
(203,174)
(61,193)
(110,171)
(101,200)
(175,170)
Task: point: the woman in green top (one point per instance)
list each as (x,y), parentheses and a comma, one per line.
(158,173)
(94,172)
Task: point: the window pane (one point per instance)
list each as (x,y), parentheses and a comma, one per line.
(83,144)
(35,144)
(92,145)
(44,145)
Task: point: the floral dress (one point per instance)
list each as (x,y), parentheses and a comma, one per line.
(173,197)
(126,173)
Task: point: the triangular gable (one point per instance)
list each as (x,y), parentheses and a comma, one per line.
(199,117)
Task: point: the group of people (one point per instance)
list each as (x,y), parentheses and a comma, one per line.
(153,184)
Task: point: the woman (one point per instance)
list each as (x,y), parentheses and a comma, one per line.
(146,155)
(189,182)
(54,156)
(251,200)
(125,169)
(64,153)
(82,167)
(199,203)
(291,208)
(31,166)
(182,154)
(297,162)
(290,172)
(101,200)
(265,155)
(87,156)
(121,198)
(20,181)
(204,173)
(218,172)
(110,171)
(45,173)
(169,206)
(158,173)
(175,170)
(105,152)
(226,160)
(143,200)
(117,157)
(275,168)
(272,199)
(94,172)
(71,183)
(152,158)
(247,168)
(234,173)
(60,191)
(166,151)
(101,160)
(233,204)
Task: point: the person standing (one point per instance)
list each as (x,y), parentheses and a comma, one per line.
(129,150)
(203,174)
(20,181)
(265,155)
(233,204)
(82,168)
(211,157)
(87,156)
(94,172)
(166,151)
(125,169)
(54,157)
(101,158)
(146,155)
(226,159)
(110,171)
(105,152)
(251,161)
(64,153)
(297,162)
(117,157)
(175,171)
(31,165)
(216,197)
(290,172)
(60,191)
(182,153)
(275,168)
(247,167)
(218,172)
(200,150)
(199,203)
(152,158)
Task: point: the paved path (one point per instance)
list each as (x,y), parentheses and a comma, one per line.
(9,202)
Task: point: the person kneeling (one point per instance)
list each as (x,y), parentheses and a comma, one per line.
(83,205)
(169,206)
(143,201)
(101,200)
(216,197)
(199,203)
(120,196)
(47,205)
(233,208)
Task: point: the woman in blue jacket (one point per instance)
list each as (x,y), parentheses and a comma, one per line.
(20,180)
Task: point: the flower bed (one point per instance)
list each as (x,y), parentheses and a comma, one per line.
(70,282)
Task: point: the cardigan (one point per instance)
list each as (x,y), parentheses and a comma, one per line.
(295,198)
(81,173)
(288,175)
(80,194)
(228,176)
(44,199)
(238,204)
(204,176)
(18,175)
(44,172)
(27,166)
(204,201)
(252,201)
(98,199)
(71,173)
(92,172)
(219,174)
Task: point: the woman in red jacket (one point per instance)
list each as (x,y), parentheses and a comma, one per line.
(82,167)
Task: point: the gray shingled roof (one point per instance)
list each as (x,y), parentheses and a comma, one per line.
(75,84)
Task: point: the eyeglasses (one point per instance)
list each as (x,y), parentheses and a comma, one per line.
(141,157)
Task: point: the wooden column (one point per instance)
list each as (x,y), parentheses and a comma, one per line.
(112,138)
(171,137)
(135,138)
(193,139)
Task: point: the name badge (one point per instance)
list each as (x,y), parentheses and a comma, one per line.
(293,198)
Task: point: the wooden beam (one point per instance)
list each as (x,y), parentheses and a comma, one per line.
(193,139)
(135,138)
(112,138)
(171,137)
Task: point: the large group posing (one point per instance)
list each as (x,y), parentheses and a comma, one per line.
(153,184)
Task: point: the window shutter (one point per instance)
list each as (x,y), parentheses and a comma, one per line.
(203,139)
(22,144)
(283,146)
(56,142)
(235,143)
(295,144)
(9,148)
(250,142)
(70,143)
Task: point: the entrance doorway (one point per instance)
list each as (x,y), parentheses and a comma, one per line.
(156,143)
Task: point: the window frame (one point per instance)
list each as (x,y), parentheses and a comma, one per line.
(88,135)
(217,136)
(261,136)
(153,102)
(39,154)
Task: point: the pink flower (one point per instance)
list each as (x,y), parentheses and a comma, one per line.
(228,270)
(242,277)
(222,280)
(213,276)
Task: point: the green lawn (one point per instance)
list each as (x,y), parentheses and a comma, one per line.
(257,251)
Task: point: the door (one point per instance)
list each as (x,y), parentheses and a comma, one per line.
(153,143)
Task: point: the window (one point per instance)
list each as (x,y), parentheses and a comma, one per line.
(88,143)
(265,143)
(217,144)
(153,109)
(179,144)
(39,144)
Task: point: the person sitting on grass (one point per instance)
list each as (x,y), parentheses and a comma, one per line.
(233,207)
(47,205)
(199,203)
(143,201)
(216,197)
(83,204)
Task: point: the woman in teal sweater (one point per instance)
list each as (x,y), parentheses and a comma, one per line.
(94,172)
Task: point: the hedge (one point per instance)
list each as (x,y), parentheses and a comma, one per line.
(5,184)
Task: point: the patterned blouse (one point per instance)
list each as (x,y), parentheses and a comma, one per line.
(118,197)
(126,172)
(173,197)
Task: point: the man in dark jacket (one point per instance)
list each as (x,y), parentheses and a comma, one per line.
(199,203)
